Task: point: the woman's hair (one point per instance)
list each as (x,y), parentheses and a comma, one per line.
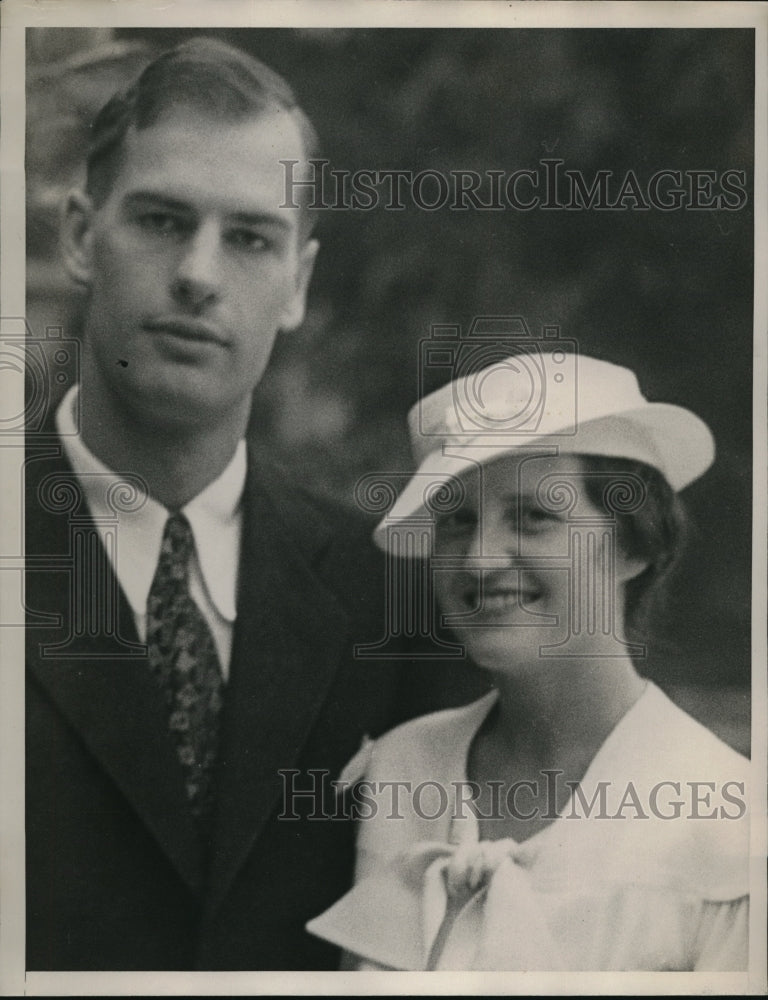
(654,531)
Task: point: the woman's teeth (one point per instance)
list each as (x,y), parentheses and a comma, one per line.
(506,600)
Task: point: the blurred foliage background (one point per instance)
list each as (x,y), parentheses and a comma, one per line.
(667,293)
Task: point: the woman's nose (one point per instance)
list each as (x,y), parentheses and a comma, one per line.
(493,537)
(197,280)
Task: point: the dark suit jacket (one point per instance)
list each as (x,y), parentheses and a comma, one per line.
(116,871)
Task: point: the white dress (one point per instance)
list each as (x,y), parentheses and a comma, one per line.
(617,882)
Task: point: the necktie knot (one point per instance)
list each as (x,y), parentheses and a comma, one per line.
(178,542)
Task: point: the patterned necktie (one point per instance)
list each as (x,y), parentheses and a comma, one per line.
(183,657)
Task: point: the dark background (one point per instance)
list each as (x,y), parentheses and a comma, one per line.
(667,293)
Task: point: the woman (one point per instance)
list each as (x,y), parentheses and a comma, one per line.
(574,818)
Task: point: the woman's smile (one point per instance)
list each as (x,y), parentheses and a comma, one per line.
(493,595)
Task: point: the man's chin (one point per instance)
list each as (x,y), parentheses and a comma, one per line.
(183,406)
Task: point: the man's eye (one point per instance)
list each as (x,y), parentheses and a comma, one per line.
(161,223)
(248,239)
(165,224)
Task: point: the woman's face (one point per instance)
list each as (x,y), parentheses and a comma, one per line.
(528,567)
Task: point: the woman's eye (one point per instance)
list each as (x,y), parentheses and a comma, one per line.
(459,520)
(537,519)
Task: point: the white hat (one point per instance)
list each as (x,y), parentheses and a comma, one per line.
(544,398)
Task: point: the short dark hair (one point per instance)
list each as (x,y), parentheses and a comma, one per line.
(655,532)
(203,73)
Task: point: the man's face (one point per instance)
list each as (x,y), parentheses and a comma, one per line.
(193,267)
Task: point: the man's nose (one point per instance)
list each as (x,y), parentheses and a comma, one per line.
(197,279)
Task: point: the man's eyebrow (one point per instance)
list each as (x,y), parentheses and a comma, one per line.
(136,199)
(261,219)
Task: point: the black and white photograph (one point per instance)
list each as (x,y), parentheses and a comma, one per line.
(384,498)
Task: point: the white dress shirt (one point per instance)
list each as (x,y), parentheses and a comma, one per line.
(215,517)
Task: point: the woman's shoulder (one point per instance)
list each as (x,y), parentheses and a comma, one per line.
(678,736)
(436,737)
(679,800)
(443,720)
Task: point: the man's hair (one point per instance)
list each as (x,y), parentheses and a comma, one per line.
(655,533)
(202,73)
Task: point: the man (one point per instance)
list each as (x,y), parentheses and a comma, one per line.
(191,616)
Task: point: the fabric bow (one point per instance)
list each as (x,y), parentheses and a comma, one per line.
(479,907)
(472,906)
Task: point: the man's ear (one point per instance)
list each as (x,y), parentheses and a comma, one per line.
(77,237)
(295,308)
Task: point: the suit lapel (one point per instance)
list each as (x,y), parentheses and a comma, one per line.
(99,679)
(288,641)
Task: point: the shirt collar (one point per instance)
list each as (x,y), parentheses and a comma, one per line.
(214,515)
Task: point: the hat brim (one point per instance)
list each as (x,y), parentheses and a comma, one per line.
(667,437)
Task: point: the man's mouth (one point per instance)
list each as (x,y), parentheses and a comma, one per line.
(186,328)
